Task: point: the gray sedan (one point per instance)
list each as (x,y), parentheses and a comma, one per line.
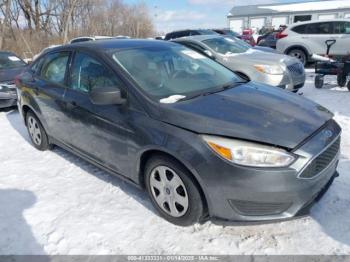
(272,69)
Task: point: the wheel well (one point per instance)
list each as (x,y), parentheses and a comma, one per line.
(25,110)
(298,47)
(152,153)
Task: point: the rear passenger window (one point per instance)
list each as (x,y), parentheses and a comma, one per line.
(341,27)
(54,67)
(320,28)
(300,29)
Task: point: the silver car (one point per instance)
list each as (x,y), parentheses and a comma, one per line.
(272,69)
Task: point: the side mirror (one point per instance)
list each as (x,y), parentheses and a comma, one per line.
(209,54)
(107,96)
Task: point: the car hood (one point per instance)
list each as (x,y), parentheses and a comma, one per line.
(251,111)
(7,75)
(259,57)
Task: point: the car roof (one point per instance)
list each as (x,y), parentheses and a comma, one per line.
(114,44)
(7,52)
(318,21)
(198,38)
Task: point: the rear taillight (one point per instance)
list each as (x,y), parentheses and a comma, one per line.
(281,35)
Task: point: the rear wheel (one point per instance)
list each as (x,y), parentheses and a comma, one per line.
(173,191)
(341,80)
(348,86)
(299,54)
(36,132)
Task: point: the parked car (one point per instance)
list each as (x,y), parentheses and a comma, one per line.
(230,33)
(272,69)
(304,39)
(200,140)
(188,32)
(10,66)
(268,40)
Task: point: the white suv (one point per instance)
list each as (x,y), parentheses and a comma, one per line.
(302,40)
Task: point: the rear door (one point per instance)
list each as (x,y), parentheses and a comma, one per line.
(48,88)
(316,36)
(100,132)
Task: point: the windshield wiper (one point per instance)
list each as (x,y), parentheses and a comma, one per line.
(217,90)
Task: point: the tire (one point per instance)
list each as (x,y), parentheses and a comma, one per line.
(167,181)
(348,86)
(341,79)
(36,132)
(319,80)
(299,54)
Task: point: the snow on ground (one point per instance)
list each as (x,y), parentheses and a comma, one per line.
(55,203)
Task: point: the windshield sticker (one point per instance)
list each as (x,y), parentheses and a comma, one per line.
(193,54)
(14,58)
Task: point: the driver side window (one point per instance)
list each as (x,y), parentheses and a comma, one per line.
(87,73)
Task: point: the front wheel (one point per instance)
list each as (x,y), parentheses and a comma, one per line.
(299,54)
(341,80)
(36,132)
(173,191)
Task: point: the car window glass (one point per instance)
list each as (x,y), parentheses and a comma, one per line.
(87,73)
(175,70)
(320,28)
(300,29)
(9,60)
(341,27)
(226,46)
(35,67)
(54,67)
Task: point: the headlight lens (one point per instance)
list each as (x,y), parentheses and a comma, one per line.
(249,154)
(270,69)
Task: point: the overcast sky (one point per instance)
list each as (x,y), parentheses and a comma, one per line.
(176,14)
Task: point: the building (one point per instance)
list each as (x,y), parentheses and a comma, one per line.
(274,15)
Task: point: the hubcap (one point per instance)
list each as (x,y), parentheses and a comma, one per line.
(298,54)
(169,191)
(34,130)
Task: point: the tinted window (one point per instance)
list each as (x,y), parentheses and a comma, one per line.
(87,74)
(320,28)
(341,27)
(173,70)
(300,29)
(54,67)
(36,66)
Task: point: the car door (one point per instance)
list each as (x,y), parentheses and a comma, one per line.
(316,36)
(99,132)
(342,33)
(48,87)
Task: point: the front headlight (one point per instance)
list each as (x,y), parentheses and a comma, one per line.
(249,154)
(270,69)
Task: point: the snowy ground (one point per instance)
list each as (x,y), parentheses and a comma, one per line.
(55,203)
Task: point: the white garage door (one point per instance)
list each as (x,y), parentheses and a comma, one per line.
(236,25)
(327,16)
(257,23)
(279,20)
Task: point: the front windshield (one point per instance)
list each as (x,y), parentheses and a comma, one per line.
(226,46)
(8,60)
(173,70)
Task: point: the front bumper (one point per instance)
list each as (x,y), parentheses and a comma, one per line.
(258,194)
(8,98)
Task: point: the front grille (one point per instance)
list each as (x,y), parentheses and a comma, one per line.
(249,208)
(322,161)
(296,69)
